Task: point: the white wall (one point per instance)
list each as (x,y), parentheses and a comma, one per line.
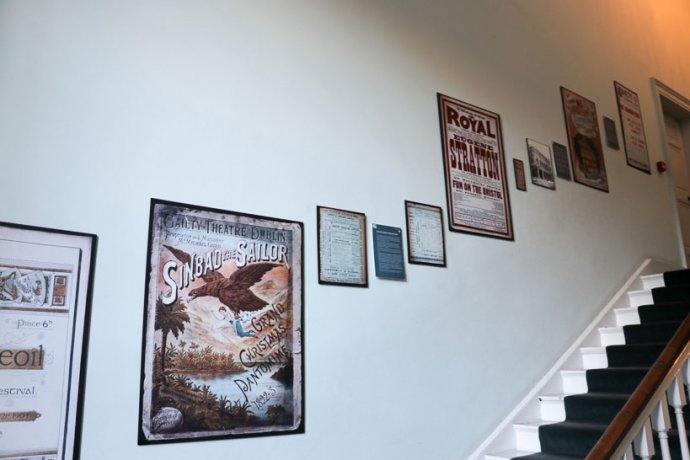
(275,107)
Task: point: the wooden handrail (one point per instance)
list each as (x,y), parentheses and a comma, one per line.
(642,396)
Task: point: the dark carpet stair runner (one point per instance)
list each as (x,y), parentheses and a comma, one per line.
(588,414)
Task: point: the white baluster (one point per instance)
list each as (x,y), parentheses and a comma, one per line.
(676,397)
(661,421)
(686,375)
(644,442)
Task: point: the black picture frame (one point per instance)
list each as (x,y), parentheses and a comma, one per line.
(350,243)
(474,170)
(584,139)
(541,164)
(54,318)
(217,281)
(426,244)
(519,170)
(632,128)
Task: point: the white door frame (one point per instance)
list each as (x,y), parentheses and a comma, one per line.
(670,102)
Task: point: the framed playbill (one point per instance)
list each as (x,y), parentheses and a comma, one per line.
(342,246)
(632,128)
(425,243)
(46,279)
(584,139)
(475,172)
(222,342)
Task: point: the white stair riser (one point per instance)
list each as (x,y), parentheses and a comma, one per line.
(637,298)
(594,357)
(652,281)
(527,438)
(574,382)
(552,410)
(626,316)
(611,336)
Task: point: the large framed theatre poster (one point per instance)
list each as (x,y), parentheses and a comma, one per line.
(222,342)
(584,138)
(474,164)
(632,127)
(342,245)
(46,279)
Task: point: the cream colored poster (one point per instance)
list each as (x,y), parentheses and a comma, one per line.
(43,300)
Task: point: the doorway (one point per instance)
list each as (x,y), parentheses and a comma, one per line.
(675,110)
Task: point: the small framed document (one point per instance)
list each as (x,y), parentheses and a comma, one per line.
(560,158)
(425,243)
(389,262)
(45,303)
(520,182)
(611,134)
(342,247)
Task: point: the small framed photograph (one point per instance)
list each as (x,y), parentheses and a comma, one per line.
(425,240)
(540,164)
(561,160)
(520,182)
(611,133)
(46,279)
(342,241)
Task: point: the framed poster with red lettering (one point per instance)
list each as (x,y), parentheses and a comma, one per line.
(222,342)
(45,297)
(475,171)
(584,139)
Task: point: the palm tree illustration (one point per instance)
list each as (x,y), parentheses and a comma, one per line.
(170,319)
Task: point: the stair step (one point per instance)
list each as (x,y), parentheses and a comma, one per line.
(527,435)
(615,379)
(634,355)
(574,381)
(541,456)
(679,293)
(669,311)
(626,315)
(677,277)
(642,297)
(506,455)
(611,335)
(657,332)
(594,407)
(570,437)
(594,357)
(653,281)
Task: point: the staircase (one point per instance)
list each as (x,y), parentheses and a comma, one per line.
(565,416)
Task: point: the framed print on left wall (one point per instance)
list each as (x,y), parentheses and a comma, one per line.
(46,279)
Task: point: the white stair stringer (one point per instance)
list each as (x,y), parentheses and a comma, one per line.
(518,433)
